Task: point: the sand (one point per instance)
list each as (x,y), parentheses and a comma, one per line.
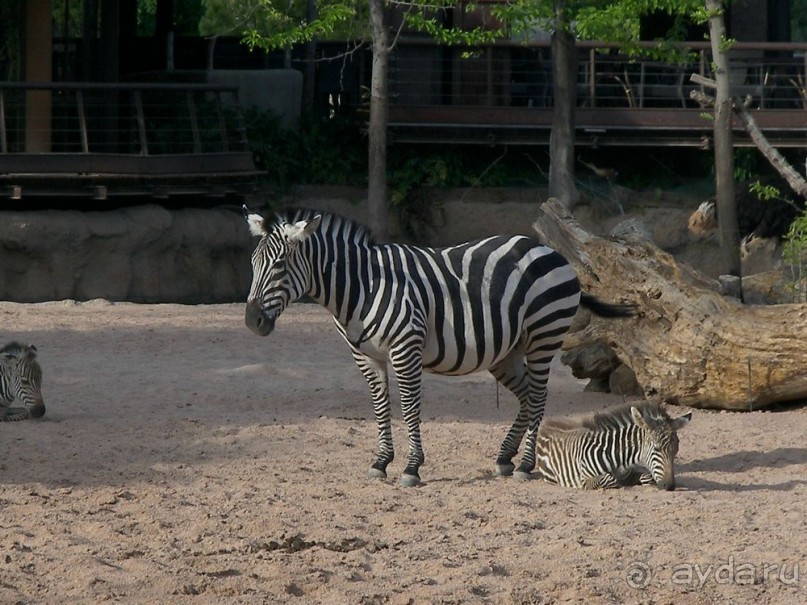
(183,459)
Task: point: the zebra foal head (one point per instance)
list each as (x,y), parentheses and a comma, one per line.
(21,378)
(280,273)
(659,442)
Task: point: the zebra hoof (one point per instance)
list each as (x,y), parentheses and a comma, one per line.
(409,480)
(522,476)
(505,470)
(376,473)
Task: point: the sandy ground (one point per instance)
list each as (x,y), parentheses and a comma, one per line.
(184,460)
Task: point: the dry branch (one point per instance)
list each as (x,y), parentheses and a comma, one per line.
(740,109)
(688,345)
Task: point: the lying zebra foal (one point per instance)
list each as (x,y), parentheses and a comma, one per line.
(627,445)
(20,380)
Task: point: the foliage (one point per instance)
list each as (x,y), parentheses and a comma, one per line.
(67,19)
(273,24)
(11,60)
(186,17)
(322,152)
(612,20)
(794,253)
(798,20)
(746,167)
(428,19)
(794,250)
(408,196)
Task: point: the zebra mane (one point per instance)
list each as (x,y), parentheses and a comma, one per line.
(611,419)
(331,223)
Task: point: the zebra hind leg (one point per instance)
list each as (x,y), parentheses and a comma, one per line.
(537,367)
(511,374)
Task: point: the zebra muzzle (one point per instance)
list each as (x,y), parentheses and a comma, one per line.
(37,410)
(259,320)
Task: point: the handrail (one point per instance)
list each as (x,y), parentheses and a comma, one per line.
(518,73)
(694,44)
(134,118)
(125,86)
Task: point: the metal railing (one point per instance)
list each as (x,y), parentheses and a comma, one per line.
(123,118)
(514,74)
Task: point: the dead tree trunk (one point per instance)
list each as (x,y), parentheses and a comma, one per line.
(688,344)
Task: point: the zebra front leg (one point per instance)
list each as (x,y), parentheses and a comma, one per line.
(408,370)
(375,373)
(604,481)
(645,478)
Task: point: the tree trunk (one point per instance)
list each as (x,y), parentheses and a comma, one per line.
(309,74)
(564,93)
(724,144)
(688,345)
(378,204)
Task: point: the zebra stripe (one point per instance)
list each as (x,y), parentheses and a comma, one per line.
(20,380)
(623,446)
(502,304)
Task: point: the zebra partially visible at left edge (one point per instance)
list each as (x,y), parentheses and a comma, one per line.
(502,304)
(20,380)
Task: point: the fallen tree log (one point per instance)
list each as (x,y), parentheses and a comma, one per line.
(689,344)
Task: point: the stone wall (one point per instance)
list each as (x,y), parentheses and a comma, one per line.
(138,254)
(150,254)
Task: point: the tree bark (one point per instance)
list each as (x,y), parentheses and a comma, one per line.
(564,93)
(724,144)
(309,73)
(688,344)
(377,195)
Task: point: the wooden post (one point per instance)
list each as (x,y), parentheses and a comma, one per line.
(38,68)
(197,140)
(82,122)
(141,123)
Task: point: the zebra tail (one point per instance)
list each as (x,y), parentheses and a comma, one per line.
(603,309)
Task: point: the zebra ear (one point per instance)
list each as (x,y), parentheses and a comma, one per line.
(681,421)
(302,229)
(31,352)
(257,224)
(638,418)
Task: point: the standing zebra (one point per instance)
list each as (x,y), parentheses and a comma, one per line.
(502,304)
(20,380)
(623,446)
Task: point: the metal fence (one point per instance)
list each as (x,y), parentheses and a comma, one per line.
(137,119)
(510,74)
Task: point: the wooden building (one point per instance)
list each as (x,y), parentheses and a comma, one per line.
(107,111)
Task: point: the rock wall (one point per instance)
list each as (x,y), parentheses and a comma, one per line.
(151,254)
(137,254)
